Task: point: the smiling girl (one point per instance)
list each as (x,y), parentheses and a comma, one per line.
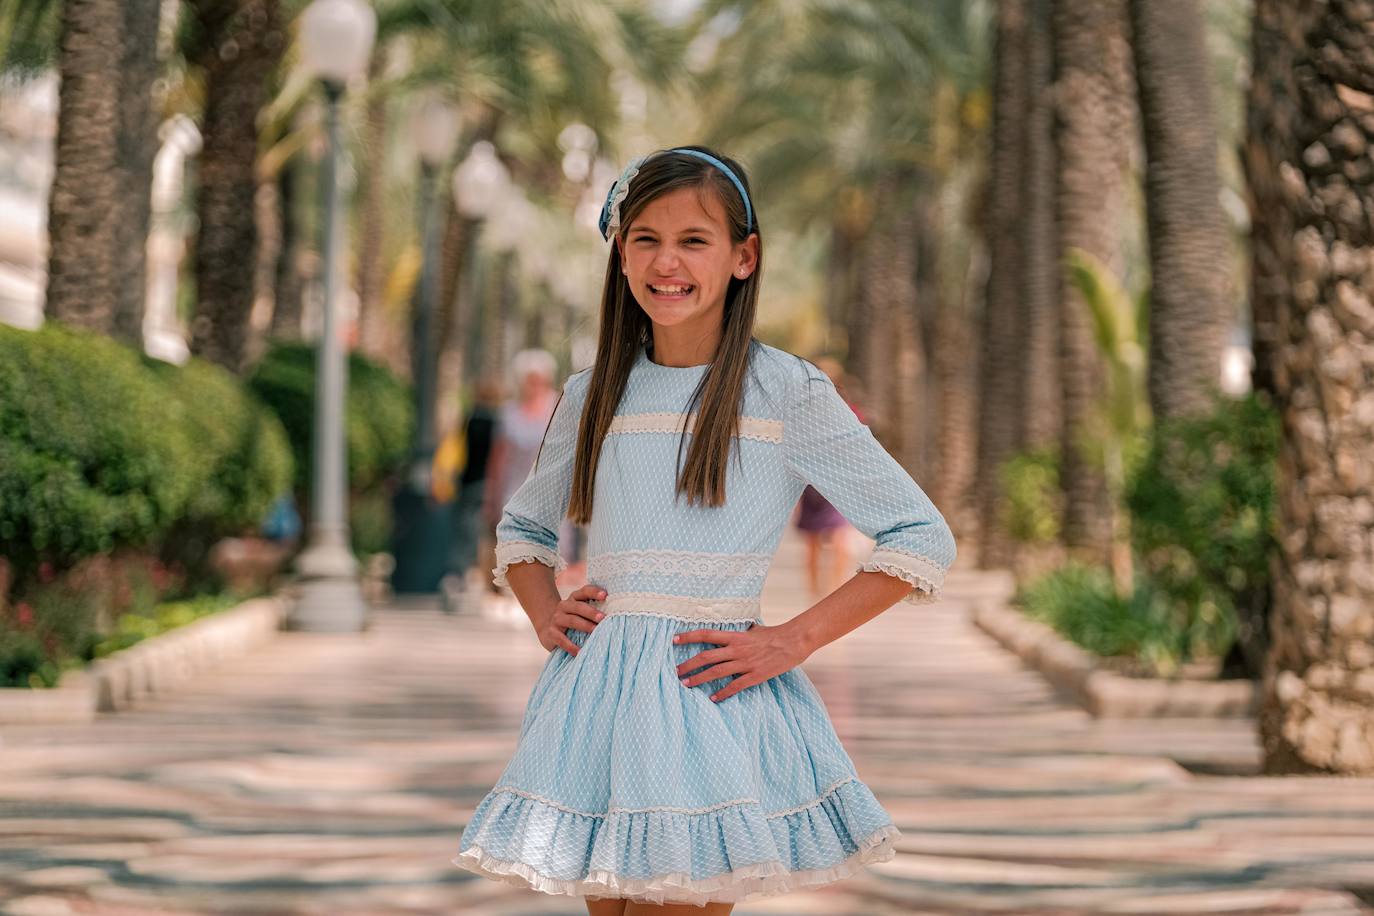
(673,757)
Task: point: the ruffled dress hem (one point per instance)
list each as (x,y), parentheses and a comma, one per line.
(763,879)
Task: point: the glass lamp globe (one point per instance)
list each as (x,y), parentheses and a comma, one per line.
(434,127)
(336,38)
(480,181)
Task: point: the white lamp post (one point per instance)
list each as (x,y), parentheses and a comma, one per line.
(480,181)
(419,536)
(336,41)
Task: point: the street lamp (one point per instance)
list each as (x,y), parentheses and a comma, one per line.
(480,181)
(421,532)
(336,41)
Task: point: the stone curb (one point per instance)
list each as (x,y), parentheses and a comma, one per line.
(1106,694)
(148,667)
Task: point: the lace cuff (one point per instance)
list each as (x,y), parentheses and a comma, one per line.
(926,578)
(508,552)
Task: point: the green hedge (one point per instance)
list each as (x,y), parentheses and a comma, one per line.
(102,447)
(379,419)
(1202,515)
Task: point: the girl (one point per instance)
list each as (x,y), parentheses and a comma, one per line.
(672,757)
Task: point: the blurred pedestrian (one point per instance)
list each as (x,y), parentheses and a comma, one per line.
(520,429)
(471,445)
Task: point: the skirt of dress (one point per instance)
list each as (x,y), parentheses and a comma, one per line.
(625,783)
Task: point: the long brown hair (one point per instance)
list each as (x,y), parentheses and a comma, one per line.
(626,329)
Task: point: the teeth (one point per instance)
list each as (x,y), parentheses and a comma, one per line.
(669,289)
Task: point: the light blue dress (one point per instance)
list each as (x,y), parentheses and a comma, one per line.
(624,783)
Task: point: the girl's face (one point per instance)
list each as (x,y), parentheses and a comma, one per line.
(679,259)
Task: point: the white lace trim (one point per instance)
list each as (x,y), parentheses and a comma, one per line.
(762,429)
(762,880)
(678,563)
(543,800)
(681,607)
(508,552)
(923,574)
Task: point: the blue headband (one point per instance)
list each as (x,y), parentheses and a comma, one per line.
(610,211)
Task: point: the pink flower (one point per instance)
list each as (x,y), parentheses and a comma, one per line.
(45,572)
(24,614)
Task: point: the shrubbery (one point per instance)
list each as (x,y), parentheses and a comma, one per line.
(378,423)
(378,427)
(1202,516)
(110,464)
(1201,504)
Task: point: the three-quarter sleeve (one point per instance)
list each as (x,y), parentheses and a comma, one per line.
(528,529)
(826,445)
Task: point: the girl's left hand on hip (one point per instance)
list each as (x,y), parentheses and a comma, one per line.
(755,654)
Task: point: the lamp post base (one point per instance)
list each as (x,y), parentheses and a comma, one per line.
(331,598)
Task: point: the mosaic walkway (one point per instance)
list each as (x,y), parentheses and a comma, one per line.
(333,775)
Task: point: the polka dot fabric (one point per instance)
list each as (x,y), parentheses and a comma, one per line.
(625,783)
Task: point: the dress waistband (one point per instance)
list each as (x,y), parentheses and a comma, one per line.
(684,607)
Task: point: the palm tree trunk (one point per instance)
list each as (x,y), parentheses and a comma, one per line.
(107,57)
(235,89)
(954,364)
(372,222)
(287,288)
(1093,132)
(1041,385)
(856,321)
(1271,111)
(840,278)
(1000,406)
(138,145)
(1189,285)
(1318,707)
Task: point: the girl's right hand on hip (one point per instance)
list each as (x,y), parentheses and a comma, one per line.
(572,612)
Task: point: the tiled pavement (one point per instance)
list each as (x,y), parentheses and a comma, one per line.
(332,775)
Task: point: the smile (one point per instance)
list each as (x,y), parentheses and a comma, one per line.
(674,291)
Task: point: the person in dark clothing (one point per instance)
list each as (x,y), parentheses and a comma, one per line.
(479,432)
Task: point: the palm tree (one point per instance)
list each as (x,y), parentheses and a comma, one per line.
(106,139)
(1040,383)
(1189,307)
(236,45)
(1316,714)
(871,180)
(1003,332)
(1271,111)
(1093,135)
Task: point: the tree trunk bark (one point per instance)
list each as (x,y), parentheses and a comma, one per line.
(1093,132)
(1271,111)
(1190,308)
(954,363)
(372,321)
(288,286)
(138,143)
(856,323)
(245,44)
(106,139)
(1042,416)
(1002,336)
(1318,707)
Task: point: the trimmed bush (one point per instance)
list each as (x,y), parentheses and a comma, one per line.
(1202,507)
(93,454)
(1032,511)
(101,448)
(378,423)
(111,463)
(1081,604)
